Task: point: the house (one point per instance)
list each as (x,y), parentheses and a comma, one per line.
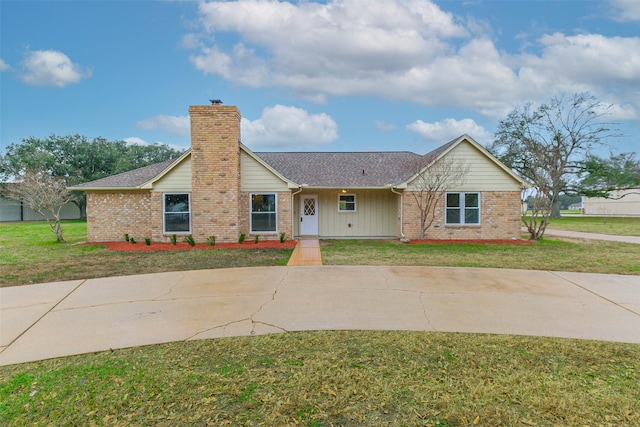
(219,187)
(621,203)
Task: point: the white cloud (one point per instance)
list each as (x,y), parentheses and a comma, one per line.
(288,127)
(3,65)
(384,126)
(134,140)
(448,129)
(51,68)
(408,50)
(177,125)
(626,10)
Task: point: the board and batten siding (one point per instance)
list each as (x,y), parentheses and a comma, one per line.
(484,174)
(376,215)
(255,177)
(178,180)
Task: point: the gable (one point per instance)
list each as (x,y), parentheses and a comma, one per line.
(485,174)
(256,177)
(177,179)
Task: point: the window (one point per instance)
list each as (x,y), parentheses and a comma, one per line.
(346,203)
(177,213)
(462,208)
(264,216)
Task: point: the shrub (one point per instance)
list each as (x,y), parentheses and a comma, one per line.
(132,240)
(283,237)
(255,239)
(174,239)
(211,240)
(242,237)
(126,237)
(190,240)
(147,241)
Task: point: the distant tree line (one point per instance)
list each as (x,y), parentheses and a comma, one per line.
(34,165)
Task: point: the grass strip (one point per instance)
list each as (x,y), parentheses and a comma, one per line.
(339,378)
(589,256)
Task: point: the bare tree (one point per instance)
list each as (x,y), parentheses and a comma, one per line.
(549,145)
(44,194)
(430,185)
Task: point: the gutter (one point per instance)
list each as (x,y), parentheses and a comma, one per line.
(293,207)
(393,190)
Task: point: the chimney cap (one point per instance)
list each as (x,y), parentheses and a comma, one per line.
(215,101)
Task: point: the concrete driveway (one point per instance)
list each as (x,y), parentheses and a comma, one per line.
(66,318)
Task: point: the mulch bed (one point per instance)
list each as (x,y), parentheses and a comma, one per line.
(154,247)
(476,242)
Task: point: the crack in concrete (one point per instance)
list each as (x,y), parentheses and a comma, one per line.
(42,317)
(158,300)
(223,327)
(273,297)
(595,293)
(268,324)
(426,316)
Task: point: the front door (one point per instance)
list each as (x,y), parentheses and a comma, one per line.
(309,215)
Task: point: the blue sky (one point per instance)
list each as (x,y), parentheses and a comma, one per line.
(337,75)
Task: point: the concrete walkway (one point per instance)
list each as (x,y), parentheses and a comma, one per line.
(307,252)
(66,318)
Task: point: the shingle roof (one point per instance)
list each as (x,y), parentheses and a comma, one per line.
(131,179)
(343,169)
(316,169)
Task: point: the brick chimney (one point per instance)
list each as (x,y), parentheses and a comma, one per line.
(215,172)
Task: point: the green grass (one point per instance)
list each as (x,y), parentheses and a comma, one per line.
(340,378)
(29,253)
(584,256)
(623,226)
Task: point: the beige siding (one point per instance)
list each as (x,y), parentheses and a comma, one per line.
(256,177)
(377,214)
(624,203)
(178,179)
(484,174)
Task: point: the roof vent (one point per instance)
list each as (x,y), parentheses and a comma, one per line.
(215,101)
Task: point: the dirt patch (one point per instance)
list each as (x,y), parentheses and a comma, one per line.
(476,242)
(154,247)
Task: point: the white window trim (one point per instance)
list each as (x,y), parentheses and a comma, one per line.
(264,193)
(355,203)
(463,208)
(164,225)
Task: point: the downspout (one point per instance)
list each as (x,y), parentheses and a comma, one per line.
(293,208)
(403,238)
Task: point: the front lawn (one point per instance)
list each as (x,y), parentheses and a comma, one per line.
(29,253)
(334,378)
(590,256)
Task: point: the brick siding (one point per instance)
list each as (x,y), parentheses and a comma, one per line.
(499,219)
(284,216)
(215,164)
(111,215)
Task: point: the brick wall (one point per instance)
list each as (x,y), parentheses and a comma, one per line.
(284,216)
(499,219)
(215,164)
(111,215)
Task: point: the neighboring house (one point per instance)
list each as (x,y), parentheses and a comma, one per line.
(220,188)
(575,206)
(621,203)
(14,210)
